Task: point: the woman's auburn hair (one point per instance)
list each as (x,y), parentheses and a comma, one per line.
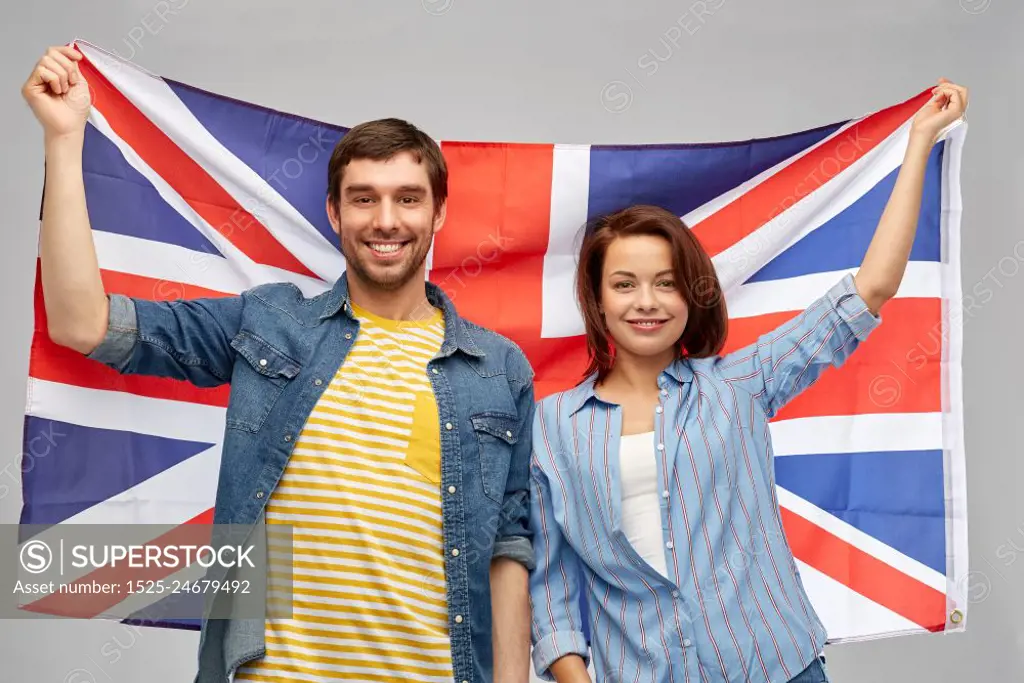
(695,278)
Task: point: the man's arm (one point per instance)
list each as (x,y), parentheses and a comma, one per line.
(73,295)
(510,605)
(513,548)
(514,536)
(189,340)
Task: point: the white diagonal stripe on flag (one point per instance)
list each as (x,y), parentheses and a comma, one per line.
(859,539)
(249,273)
(161,105)
(737,263)
(850,615)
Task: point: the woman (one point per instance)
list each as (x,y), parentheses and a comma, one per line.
(652,481)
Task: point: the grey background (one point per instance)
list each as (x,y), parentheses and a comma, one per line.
(535,71)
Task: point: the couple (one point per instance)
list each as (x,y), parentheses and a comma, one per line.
(443,521)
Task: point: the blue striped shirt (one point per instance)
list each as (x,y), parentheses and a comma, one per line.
(733,607)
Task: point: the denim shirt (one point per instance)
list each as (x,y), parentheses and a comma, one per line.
(279,351)
(732,607)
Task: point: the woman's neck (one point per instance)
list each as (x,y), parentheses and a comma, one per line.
(637,373)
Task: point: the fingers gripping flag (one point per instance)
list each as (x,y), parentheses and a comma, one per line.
(193,194)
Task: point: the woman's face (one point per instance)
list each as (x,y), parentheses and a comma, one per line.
(642,303)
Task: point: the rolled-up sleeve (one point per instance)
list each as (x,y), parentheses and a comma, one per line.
(186,339)
(556,645)
(850,309)
(122,333)
(787,360)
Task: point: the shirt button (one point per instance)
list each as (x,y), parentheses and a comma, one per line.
(661,446)
(448,425)
(664,494)
(259,494)
(458,618)
(263,362)
(451,489)
(287,437)
(433,370)
(687,643)
(348,335)
(669,545)
(508,434)
(455,552)
(659,410)
(318,382)
(675,594)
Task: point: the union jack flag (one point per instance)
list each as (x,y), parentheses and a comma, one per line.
(193,194)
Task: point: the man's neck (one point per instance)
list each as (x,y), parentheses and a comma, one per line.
(409,302)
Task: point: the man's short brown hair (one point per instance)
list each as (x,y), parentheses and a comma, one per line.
(381,140)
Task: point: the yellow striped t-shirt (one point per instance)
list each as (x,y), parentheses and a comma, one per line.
(361,493)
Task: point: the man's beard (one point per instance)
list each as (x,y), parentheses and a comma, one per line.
(393,278)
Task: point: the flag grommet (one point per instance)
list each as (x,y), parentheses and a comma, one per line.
(956,616)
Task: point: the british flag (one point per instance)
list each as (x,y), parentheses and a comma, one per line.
(193,194)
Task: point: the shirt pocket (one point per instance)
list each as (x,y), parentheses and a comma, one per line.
(495,434)
(261,373)
(424,451)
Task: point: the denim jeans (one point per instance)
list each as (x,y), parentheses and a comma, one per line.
(815,673)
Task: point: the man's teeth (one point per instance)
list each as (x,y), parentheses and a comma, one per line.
(386,248)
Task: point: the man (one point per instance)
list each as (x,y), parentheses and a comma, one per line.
(391,434)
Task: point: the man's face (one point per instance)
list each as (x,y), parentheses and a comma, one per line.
(385,220)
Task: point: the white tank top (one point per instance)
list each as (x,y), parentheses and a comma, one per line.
(641,502)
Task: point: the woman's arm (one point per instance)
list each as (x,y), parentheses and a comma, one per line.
(885,262)
(784,362)
(560,650)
